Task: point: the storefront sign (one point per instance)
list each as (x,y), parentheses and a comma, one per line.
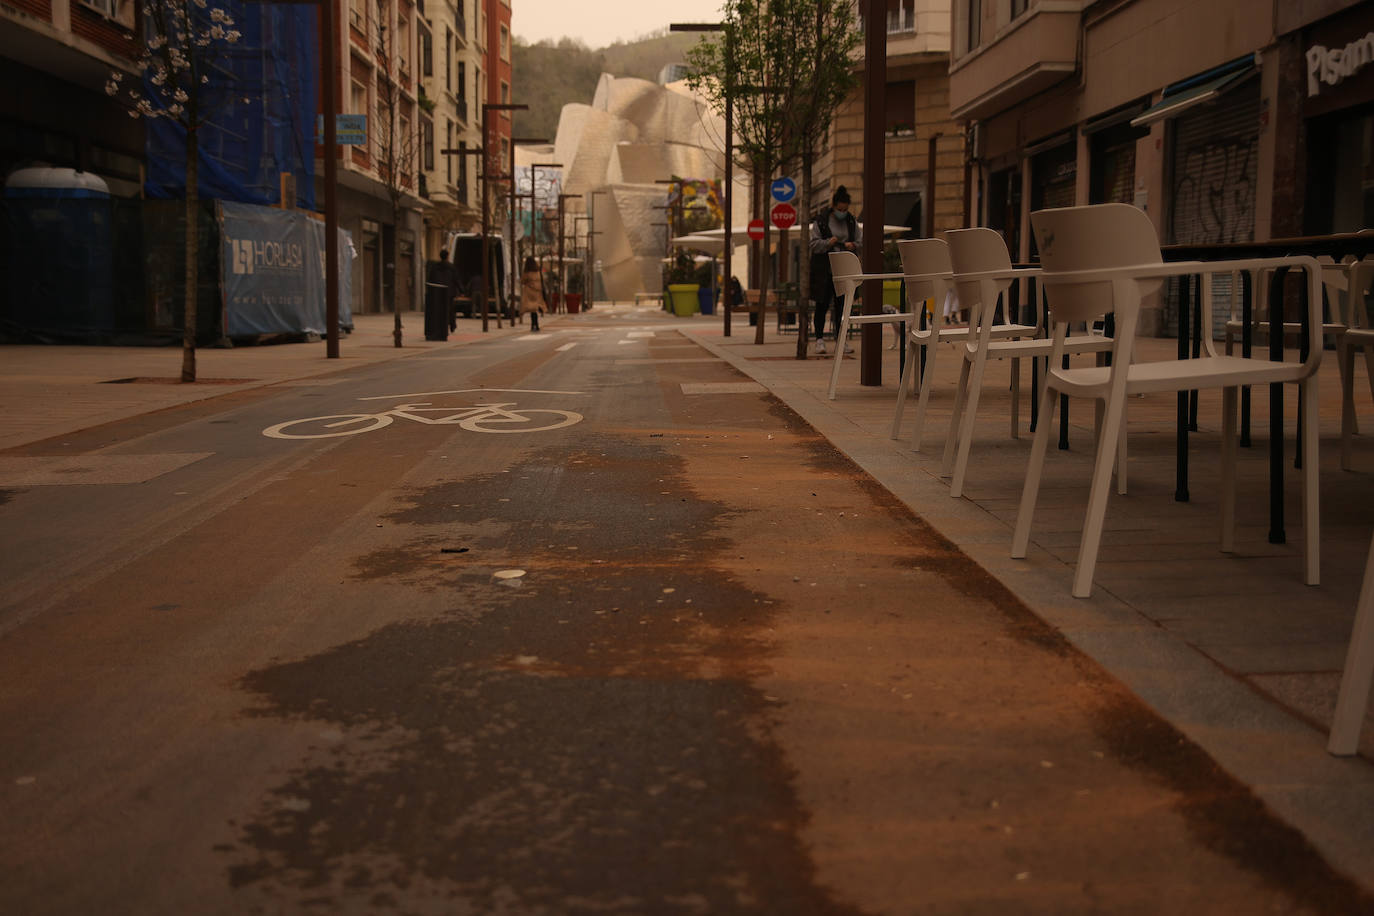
(1334,65)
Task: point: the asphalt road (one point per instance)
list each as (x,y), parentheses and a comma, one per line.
(671,654)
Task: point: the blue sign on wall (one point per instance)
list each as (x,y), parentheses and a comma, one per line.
(348,129)
(784,189)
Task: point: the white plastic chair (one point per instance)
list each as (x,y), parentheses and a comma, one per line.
(1358,674)
(928,274)
(848,275)
(1109,252)
(1347,285)
(982,274)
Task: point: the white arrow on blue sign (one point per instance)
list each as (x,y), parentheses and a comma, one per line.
(784,189)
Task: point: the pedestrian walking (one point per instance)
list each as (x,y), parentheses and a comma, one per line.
(834,229)
(531,293)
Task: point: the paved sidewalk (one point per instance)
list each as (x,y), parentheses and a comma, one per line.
(1233,650)
(47,391)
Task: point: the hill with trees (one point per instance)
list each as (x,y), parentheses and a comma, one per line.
(549,75)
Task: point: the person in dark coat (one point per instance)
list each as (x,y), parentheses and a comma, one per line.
(834,229)
(441,288)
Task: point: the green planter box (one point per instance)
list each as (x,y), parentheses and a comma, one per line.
(684,298)
(892,293)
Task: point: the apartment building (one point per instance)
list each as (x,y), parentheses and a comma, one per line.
(924,144)
(1226,120)
(447,125)
(61,52)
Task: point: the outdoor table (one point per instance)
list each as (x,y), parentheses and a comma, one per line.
(1337,247)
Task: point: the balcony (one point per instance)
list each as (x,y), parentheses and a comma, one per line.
(1025,57)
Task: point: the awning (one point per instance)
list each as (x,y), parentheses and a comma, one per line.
(1193,93)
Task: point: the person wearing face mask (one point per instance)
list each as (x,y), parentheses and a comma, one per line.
(834,229)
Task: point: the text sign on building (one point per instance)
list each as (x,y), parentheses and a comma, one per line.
(784,216)
(1333,66)
(784,189)
(349,129)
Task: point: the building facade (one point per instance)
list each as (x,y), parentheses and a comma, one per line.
(62,52)
(1226,121)
(924,145)
(449,127)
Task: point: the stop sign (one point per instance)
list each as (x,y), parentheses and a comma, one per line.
(756,229)
(784,216)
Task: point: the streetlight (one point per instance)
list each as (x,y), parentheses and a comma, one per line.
(590,270)
(727,293)
(486,197)
(514,254)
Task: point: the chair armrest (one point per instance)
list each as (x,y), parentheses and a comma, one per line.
(1012,274)
(869,276)
(924,277)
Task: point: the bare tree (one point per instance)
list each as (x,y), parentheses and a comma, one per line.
(185,45)
(396,142)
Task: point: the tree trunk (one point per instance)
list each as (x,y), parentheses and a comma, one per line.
(804,275)
(188,337)
(762,176)
(391,270)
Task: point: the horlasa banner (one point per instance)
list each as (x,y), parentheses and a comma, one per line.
(273,271)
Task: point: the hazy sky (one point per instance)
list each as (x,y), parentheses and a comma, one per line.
(597,23)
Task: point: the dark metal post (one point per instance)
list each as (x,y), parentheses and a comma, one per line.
(329,40)
(875,154)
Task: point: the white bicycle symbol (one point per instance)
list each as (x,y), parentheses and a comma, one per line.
(480,418)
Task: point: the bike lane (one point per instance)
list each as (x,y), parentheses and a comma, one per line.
(734,676)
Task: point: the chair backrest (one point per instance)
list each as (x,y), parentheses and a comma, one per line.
(1096,237)
(922,258)
(974,251)
(845,268)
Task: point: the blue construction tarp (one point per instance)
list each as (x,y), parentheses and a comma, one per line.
(263,100)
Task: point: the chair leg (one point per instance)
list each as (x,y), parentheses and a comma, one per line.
(970,418)
(840,339)
(1020,538)
(1358,673)
(1311,484)
(924,398)
(1345,359)
(1097,500)
(1229,397)
(908,371)
(1121,441)
(952,435)
(1015,397)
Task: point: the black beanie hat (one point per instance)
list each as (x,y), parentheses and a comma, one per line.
(841,196)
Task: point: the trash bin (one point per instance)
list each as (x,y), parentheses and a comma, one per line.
(436,311)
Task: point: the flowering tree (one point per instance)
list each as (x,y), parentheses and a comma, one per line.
(185,44)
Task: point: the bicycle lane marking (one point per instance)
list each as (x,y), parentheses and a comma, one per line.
(485,417)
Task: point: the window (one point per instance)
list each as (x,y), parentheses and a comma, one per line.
(448,58)
(505,42)
(356,17)
(426,51)
(463,171)
(505,94)
(357,99)
(1018,7)
(427,144)
(461,18)
(975,23)
(900,106)
(448,157)
(463,90)
(901,16)
(403,49)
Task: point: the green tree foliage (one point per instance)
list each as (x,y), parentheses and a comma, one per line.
(785,67)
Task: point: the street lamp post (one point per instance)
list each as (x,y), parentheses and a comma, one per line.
(562,273)
(486,197)
(727,293)
(591,248)
(514,253)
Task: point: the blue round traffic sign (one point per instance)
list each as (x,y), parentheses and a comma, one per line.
(784,189)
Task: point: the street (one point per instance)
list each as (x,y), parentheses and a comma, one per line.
(570,622)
